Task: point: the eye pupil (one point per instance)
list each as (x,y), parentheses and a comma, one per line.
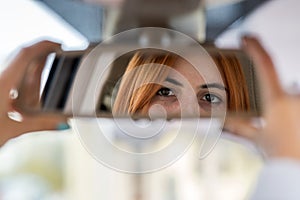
(208,97)
(211,98)
(165,92)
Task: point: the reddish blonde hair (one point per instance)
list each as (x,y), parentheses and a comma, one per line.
(234,79)
(139,83)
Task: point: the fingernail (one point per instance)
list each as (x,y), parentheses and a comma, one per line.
(62,126)
(245,39)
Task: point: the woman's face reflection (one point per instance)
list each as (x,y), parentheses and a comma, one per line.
(186,91)
(167,84)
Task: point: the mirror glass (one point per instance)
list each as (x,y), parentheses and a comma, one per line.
(158,82)
(151,82)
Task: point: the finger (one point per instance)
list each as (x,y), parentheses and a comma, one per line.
(13,128)
(241,127)
(29,91)
(13,74)
(44,121)
(269,82)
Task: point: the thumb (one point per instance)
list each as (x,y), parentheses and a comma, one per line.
(44,121)
(242,127)
(16,124)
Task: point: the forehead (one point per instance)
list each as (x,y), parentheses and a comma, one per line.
(201,68)
(184,68)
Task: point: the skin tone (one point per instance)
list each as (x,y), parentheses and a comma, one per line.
(23,74)
(279,136)
(185,87)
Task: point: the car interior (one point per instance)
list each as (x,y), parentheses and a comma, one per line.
(107,156)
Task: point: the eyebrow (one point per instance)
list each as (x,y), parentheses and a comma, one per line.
(213,85)
(173,81)
(204,86)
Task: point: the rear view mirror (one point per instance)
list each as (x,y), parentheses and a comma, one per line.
(151,82)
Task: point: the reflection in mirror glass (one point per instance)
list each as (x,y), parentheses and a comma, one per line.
(159,83)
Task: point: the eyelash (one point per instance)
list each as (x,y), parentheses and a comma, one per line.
(203,97)
(211,96)
(159,92)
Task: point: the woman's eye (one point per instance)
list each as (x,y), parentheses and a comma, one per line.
(165,92)
(212,98)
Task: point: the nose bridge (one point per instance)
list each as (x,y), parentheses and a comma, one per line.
(189,104)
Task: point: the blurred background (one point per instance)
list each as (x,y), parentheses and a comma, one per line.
(55,166)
